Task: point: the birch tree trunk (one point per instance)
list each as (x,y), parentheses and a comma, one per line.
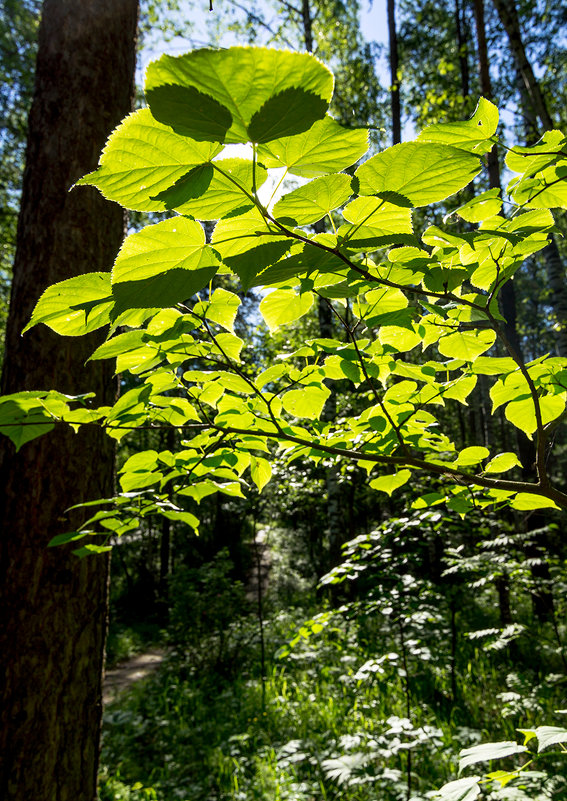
(53,606)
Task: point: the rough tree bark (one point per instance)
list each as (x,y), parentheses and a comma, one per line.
(53,606)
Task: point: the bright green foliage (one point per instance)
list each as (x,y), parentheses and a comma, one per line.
(419,315)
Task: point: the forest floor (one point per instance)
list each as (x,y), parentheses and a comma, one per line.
(130,671)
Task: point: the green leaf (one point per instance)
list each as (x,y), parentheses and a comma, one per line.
(467,345)
(283,306)
(325,148)
(460,790)
(521,413)
(310,203)
(76,306)
(212,191)
(90,549)
(481,207)
(415,174)
(161,265)
(68,536)
(525,501)
(550,735)
(491,365)
(143,158)
(23,421)
(471,135)
(391,482)
(489,751)
(382,306)
(222,308)
(238,94)
(306,402)
(27,415)
(247,245)
(399,338)
(533,159)
(471,456)
(375,223)
(261,471)
(502,462)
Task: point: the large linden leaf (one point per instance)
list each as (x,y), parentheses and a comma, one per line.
(212,191)
(375,224)
(529,160)
(485,205)
(162,265)
(466,345)
(283,306)
(415,174)
(143,158)
(521,413)
(76,306)
(471,135)
(240,94)
(391,482)
(306,402)
(546,190)
(310,203)
(325,148)
(526,501)
(247,244)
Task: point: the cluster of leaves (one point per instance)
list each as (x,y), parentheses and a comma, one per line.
(395,294)
(520,776)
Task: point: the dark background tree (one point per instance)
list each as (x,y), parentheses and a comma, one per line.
(54,606)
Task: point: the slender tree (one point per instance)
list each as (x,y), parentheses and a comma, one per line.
(53,605)
(394,74)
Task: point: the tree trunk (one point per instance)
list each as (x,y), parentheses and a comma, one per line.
(394,77)
(53,605)
(486,87)
(462,47)
(508,15)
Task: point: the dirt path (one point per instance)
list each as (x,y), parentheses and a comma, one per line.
(127,673)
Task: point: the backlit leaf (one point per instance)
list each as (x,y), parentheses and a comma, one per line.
(502,462)
(325,148)
(284,306)
(521,413)
(238,94)
(163,264)
(261,471)
(390,483)
(312,202)
(471,135)
(415,174)
(306,402)
(526,501)
(143,158)
(76,306)
(466,345)
(214,190)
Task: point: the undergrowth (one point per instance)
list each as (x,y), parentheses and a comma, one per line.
(351,712)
